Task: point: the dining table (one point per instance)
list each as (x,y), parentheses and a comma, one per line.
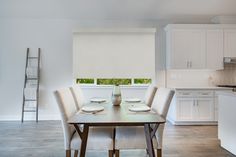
(116,116)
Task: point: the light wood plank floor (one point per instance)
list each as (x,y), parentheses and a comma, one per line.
(45,139)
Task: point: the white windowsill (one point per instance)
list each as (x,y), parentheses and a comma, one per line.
(111,86)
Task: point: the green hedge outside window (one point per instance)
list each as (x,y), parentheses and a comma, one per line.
(142,81)
(85,81)
(106,81)
(119,81)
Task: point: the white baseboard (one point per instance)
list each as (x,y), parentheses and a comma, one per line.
(29,117)
(194,123)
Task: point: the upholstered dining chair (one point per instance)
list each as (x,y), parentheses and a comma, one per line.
(78,96)
(98,138)
(149,95)
(134,137)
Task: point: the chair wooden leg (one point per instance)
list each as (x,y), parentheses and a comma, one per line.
(159,152)
(117,153)
(147,151)
(110,153)
(68,153)
(76,153)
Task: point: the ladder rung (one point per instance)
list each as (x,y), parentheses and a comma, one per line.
(33,57)
(31,100)
(32,78)
(30,111)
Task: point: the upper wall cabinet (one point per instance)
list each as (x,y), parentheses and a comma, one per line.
(186,49)
(214,49)
(199,46)
(230,43)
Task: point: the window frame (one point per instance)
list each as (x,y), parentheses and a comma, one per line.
(110,85)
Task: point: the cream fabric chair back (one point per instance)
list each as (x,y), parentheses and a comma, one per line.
(161,104)
(67,108)
(149,95)
(78,96)
(162,100)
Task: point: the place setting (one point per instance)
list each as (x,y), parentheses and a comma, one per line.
(132,100)
(98,100)
(92,109)
(139,108)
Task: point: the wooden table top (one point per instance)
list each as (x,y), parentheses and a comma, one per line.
(116,116)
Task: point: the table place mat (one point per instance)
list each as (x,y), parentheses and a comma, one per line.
(96,103)
(133,100)
(133,104)
(94,113)
(148,112)
(98,100)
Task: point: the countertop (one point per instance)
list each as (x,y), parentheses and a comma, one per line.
(201,88)
(227,93)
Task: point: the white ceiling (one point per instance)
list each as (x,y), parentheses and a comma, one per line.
(126,10)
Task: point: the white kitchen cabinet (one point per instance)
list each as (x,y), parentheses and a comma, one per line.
(199,46)
(214,49)
(195,109)
(230,43)
(186,49)
(191,107)
(204,109)
(185,109)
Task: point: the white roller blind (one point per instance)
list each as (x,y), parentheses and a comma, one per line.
(114,54)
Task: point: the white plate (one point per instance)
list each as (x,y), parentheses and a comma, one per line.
(92,108)
(133,100)
(98,100)
(139,108)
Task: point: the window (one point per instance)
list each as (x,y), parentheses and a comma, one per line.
(85,81)
(109,81)
(114,81)
(142,81)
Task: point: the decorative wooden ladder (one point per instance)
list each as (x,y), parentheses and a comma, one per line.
(31,84)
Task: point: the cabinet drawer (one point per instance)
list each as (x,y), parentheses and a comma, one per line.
(185,93)
(195,93)
(205,93)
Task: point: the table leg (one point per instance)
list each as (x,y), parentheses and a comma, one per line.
(148,130)
(84,138)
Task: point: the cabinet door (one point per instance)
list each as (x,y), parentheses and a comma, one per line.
(185,109)
(214,49)
(230,43)
(178,49)
(204,109)
(197,51)
(187,49)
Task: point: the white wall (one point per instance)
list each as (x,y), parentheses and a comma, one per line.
(54,37)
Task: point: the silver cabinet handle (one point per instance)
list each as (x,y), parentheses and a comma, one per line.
(191,64)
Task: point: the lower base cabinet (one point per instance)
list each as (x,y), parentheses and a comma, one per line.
(195,109)
(190,107)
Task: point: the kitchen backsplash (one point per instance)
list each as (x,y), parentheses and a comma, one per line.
(201,78)
(188,78)
(224,77)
